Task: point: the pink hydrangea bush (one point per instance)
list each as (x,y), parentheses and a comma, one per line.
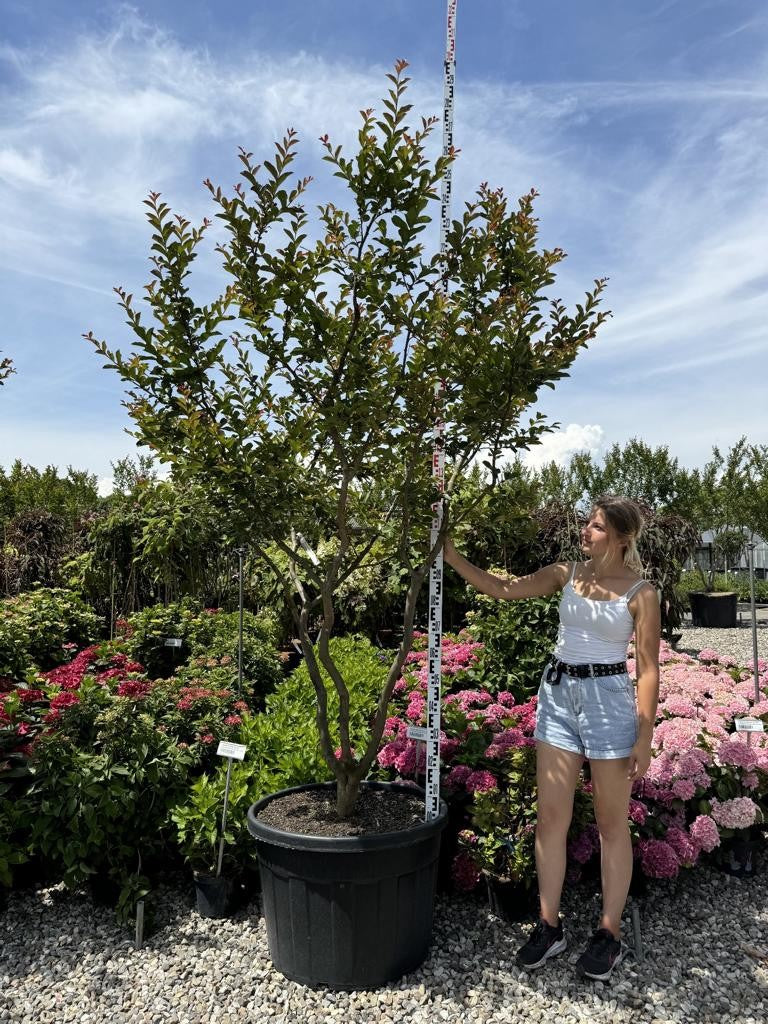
(487,761)
(706,782)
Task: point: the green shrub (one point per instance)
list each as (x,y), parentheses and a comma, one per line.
(146,632)
(218,652)
(35,626)
(283,741)
(197,818)
(15,825)
(518,637)
(104,811)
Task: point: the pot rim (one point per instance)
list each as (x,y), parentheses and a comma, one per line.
(344,844)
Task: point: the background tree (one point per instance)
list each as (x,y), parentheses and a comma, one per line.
(724,503)
(324,400)
(6,369)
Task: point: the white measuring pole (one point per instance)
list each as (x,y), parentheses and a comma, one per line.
(432,804)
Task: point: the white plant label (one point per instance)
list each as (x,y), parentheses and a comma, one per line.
(173,642)
(236,750)
(749,725)
(417,732)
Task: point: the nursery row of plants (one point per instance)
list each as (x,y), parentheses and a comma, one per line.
(109,776)
(152,540)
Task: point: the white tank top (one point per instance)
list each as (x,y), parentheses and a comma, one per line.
(592,631)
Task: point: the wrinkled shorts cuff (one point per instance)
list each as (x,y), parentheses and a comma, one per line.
(610,754)
(574,748)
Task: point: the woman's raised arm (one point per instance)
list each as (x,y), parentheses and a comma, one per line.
(545,581)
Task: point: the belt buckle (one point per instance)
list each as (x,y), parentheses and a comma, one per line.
(592,670)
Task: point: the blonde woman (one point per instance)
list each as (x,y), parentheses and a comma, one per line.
(588,709)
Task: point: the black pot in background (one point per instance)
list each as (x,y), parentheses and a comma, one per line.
(351,912)
(738,857)
(214,895)
(714,611)
(512,901)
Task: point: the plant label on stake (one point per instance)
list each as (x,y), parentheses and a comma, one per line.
(749,725)
(432,800)
(173,641)
(232,752)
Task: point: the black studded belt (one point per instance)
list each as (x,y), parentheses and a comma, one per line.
(557,668)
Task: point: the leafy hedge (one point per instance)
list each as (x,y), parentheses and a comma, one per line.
(35,627)
(518,637)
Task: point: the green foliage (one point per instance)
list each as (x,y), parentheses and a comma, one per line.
(197,818)
(215,646)
(104,811)
(283,742)
(34,626)
(15,825)
(23,488)
(148,630)
(209,641)
(518,636)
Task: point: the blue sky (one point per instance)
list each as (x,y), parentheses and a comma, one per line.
(642,125)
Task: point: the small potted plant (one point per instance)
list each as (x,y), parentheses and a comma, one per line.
(311,428)
(217,866)
(501,840)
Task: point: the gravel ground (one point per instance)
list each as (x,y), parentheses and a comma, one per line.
(736,642)
(705,937)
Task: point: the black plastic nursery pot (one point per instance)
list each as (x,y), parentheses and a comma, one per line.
(349,913)
(512,901)
(713,611)
(214,895)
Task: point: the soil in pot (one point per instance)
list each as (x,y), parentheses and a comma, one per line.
(313,813)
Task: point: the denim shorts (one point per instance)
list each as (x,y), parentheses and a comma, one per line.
(595,716)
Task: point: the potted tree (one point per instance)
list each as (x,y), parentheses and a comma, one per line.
(313,420)
(723,497)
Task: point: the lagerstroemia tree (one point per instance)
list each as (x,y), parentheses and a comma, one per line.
(319,406)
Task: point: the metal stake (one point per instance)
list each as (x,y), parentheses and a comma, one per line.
(240,553)
(751,548)
(224,817)
(139,939)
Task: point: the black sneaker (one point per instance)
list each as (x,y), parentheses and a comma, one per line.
(543,943)
(602,954)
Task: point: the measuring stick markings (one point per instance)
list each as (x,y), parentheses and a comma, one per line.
(432,805)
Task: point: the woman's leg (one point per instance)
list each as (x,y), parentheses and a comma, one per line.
(557,773)
(611,791)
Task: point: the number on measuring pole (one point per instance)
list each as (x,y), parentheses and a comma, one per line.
(432,805)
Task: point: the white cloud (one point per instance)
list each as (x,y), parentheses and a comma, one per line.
(560,445)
